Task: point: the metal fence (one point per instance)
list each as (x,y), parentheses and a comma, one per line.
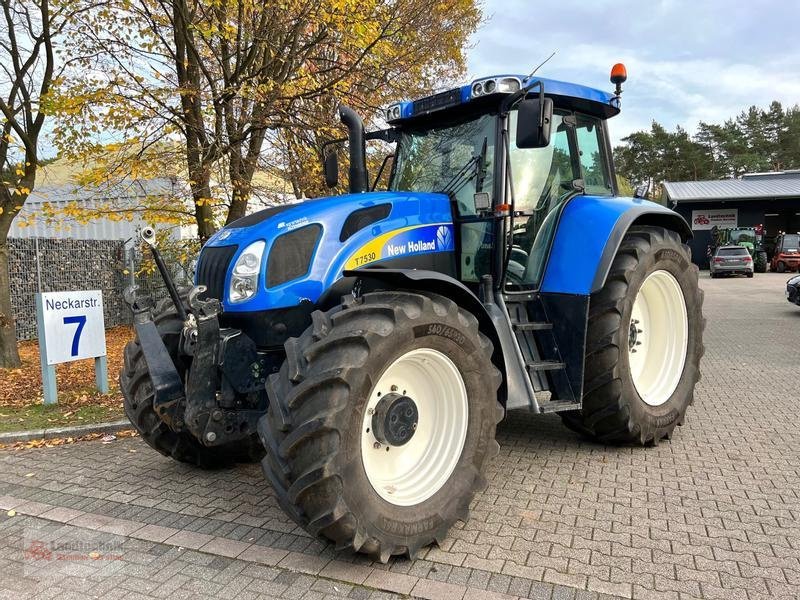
(58,265)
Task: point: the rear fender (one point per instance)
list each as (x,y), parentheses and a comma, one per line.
(588,236)
(491,320)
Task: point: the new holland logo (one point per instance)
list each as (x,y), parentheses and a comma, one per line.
(444,238)
(224,234)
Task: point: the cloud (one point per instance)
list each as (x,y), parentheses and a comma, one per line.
(687,61)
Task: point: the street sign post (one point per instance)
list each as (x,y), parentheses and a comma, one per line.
(71,327)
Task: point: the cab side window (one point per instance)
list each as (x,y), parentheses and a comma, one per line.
(592,149)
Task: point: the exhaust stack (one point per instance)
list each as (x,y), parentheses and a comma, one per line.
(358,152)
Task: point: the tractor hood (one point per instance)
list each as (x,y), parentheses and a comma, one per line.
(305,247)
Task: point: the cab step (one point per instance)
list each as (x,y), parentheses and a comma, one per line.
(545,365)
(541,326)
(557,406)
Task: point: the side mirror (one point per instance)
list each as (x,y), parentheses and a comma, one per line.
(330,168)
(533,123)
(641,192)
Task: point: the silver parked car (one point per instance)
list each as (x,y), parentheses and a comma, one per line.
(731,260)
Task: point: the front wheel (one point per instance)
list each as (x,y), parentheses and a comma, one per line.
(381,422)
(780,267)
(644,342)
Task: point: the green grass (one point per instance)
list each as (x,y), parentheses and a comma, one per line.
(43,417)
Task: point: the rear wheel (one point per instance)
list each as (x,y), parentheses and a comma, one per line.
(138,395)
(381,422)
(644,342)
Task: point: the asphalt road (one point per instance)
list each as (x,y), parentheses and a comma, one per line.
(711,514)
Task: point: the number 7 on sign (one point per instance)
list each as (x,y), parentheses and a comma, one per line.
(80,321)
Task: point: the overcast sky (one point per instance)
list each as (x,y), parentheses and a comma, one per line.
(688,61)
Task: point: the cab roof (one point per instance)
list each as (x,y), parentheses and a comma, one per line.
(565,95)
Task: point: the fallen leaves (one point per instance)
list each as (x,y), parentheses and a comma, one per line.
(23,386)
(55,442)
(79,402)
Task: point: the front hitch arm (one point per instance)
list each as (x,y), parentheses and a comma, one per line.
(167,385)
(202,382)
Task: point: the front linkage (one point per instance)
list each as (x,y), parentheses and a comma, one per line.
(221,394)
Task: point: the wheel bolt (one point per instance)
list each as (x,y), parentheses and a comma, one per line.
(377,445)
(211,436)
(394,388)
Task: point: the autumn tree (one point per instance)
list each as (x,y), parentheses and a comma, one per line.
(28,66)
(239,82)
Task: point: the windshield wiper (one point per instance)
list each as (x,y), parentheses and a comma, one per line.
(474,167)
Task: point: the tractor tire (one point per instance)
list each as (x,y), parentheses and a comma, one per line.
(760,262)
(137,392)
(346,376)
(630,399)
(780,267)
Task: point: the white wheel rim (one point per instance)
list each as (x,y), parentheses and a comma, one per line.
(409,474)
(658,336)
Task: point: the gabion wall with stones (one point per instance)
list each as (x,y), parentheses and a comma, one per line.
(66,265)
(69,265)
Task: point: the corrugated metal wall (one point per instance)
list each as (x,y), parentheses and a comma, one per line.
(126,195)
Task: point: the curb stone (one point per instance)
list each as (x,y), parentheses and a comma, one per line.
(60,432)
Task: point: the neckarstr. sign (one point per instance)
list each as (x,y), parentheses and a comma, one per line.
(73,325)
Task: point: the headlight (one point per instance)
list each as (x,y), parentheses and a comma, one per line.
(393,112)
(508,85)
(244,280)
(501,85)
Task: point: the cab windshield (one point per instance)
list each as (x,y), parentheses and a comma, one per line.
(456,158)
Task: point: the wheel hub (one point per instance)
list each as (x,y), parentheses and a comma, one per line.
(633,335)
(395,420)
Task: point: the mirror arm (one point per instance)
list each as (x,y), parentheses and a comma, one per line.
(330,142)
(510,101)
(390,135)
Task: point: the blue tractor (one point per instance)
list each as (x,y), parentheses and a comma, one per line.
(367,345)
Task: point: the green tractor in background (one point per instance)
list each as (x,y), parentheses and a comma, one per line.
(751,238)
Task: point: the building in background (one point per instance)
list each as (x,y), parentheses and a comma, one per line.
(768,199)
(58,194)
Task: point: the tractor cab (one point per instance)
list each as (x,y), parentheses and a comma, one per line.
(502,146)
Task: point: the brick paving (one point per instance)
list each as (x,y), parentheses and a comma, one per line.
(711,514)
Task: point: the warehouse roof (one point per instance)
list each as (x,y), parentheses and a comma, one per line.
(732,189)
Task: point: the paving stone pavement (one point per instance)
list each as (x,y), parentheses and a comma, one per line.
(711,514)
